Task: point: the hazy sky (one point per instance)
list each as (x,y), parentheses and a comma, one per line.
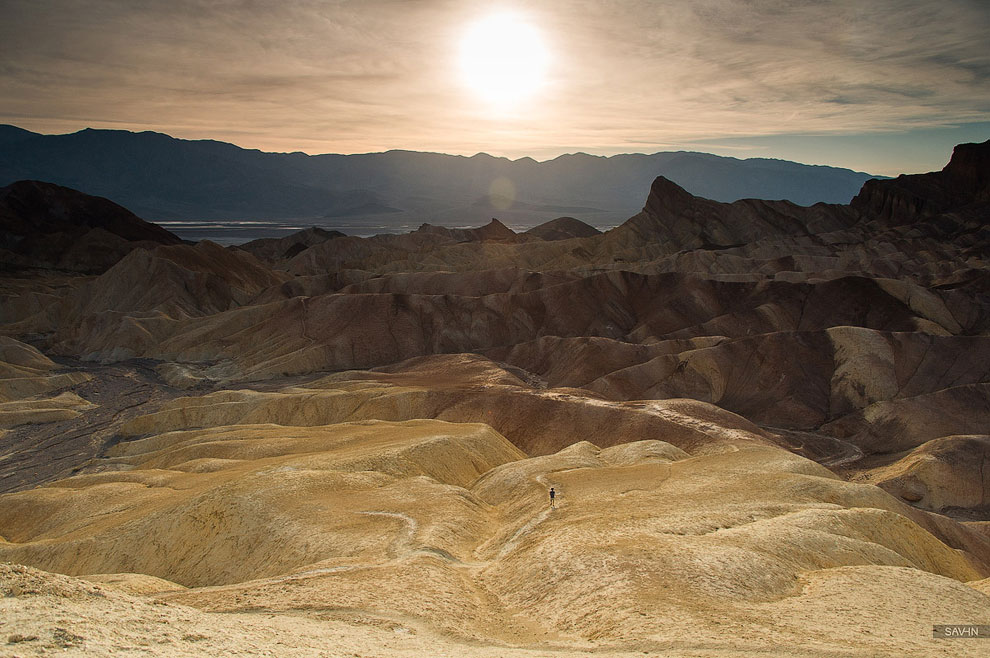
(884,86)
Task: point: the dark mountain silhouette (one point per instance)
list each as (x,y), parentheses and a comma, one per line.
(493,231)
(48,225)
(962,185)
(672,216)
(563,228)
(165,178)
(11,134)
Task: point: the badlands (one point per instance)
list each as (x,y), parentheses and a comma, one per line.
(767,426)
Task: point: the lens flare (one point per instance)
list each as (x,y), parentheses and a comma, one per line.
(502,193)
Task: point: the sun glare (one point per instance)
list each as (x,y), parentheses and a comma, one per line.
(503,59)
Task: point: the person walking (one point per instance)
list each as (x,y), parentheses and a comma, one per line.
(553,495)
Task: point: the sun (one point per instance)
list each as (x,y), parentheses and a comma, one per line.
(503,59)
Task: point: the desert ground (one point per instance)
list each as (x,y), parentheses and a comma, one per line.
(766,426)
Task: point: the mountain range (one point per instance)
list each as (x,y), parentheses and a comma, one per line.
(160,178)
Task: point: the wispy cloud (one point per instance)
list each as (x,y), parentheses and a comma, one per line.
(348,76)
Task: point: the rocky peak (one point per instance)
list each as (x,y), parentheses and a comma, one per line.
(563,228)
(667,196)
(969,170)
(962,182)
(496,230)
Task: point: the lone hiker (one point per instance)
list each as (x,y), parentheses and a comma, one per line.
(552,495)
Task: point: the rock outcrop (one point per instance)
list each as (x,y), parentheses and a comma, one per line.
(493,231)
(946,475)
(963,184)
(275,249)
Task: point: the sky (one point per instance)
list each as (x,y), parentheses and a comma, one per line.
(882,86)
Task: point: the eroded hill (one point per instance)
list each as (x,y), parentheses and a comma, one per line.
(766,423)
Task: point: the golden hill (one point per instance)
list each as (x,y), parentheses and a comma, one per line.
(448,524)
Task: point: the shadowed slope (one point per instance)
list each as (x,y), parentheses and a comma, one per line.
(355,329)
(947,475)
(46,225)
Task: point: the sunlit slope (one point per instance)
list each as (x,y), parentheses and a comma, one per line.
(25,372)
(449,524)
(461,388)
(28,386)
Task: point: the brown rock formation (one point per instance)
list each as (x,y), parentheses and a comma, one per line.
(947,475)
(276,249)
(678,220)
(25,372)
(155,287)
(964,183)
(493,231)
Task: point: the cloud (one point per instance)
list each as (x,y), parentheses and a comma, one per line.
(354,76)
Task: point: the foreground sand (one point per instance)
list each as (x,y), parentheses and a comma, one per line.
(55,614)
(45,614)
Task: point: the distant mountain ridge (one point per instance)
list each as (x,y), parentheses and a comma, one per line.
(160,177)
